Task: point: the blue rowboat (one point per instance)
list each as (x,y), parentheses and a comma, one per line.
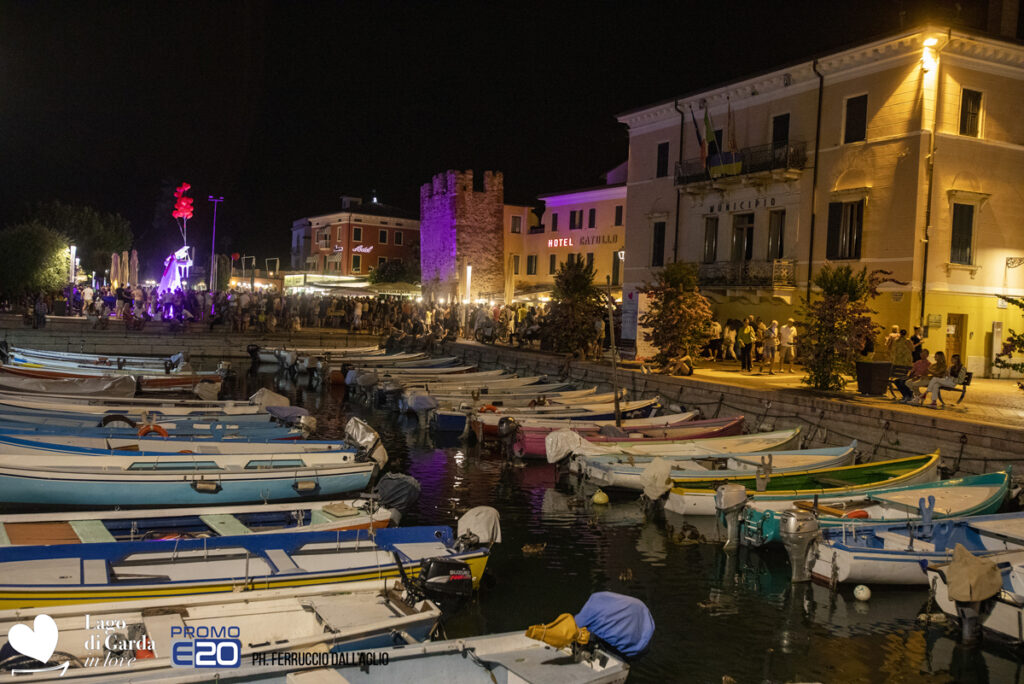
(964,496)
(41,576)
(898,553)
(206,431)
(151,482)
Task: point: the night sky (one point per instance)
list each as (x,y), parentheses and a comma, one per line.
(282,107)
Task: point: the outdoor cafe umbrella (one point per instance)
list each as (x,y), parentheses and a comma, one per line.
(133,268)
(115,269)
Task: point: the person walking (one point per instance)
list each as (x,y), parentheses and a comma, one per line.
(771,341)
(916,341)
(787,346)
(745,340)
(732,327)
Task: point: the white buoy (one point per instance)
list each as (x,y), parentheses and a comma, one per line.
(600,497)
(861,593)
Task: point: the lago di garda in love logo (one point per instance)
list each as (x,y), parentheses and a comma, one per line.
(105,646)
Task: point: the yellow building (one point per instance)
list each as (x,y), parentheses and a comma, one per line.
(586,224)
(904,154)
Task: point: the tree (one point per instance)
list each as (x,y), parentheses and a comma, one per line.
(1013,344)
(95,235)
(575,302)
(223,272)
(679,316)
(393,272)
(33,259)
(837,324)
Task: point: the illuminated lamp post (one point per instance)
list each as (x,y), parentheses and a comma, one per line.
(213,243)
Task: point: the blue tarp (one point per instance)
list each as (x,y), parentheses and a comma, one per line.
(622,622)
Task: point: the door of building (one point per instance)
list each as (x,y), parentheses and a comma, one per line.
(956,332)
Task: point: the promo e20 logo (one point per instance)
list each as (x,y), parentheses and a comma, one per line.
(205,647)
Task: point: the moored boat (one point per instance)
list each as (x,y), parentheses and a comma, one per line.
(964,496)
(779,493)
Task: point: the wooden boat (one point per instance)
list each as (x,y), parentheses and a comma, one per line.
(91,527)
(698,497)
(681,437)
(686,469)
(898,552)
(101,386)
(466,384)
(167,407)
(518,400)
(560,415)
(44,576)
(125,429)
(539,656)
(161,363)
(582,448)
(310,619)
(147,382)
(965,496)
(163,480)
(287,357)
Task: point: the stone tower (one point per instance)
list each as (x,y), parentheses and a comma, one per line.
(461,227)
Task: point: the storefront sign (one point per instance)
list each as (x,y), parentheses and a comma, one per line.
(364,249)
(742,205)
(339,248)
(561,242)
(599,239)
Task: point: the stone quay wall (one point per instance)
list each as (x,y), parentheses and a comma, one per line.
(966,447)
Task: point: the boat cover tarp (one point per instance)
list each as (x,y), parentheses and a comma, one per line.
(119,386)
(358,432)
(397,491)
(970,578)
(207,391)
(287,414)
(622,622)
(656,478)
(563,441)
(265,398)
(483,521)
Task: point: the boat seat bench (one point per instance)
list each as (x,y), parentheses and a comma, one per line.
(92,531)
(899,542)
(224,524)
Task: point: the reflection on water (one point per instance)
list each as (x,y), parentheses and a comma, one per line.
(716,613)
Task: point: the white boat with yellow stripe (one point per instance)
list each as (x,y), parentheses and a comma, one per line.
(42,576)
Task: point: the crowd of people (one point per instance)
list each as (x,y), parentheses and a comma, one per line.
(753,340)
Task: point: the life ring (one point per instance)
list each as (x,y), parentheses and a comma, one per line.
(859,513)
(158,429)
(489,408)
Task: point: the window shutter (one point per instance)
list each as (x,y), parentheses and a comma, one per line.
(835,220)
(858,231)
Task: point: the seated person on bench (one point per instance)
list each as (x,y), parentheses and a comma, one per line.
(935,370)
(954,377)
(917,371)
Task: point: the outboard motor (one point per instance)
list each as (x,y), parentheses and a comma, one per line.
(798,529)
(361,435)
(423,405)
(253,350)
(508,436)
(478,526)
(445,581)
(729,501)
(398,492)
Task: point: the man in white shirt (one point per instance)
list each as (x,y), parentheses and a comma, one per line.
(787,346)
(87,295)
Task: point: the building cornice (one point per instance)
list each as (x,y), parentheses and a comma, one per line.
(862,59)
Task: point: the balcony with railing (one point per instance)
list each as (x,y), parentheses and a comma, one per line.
(769,160)
(776,273)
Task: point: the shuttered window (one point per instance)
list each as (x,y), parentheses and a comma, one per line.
(963,234)
(845,227)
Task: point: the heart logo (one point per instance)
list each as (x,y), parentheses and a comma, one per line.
(38,643)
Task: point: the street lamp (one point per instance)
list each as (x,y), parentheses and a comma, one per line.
(213,243)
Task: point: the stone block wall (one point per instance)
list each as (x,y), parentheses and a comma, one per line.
(459,226)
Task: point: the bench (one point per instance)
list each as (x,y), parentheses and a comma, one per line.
(959,387)
(897,373)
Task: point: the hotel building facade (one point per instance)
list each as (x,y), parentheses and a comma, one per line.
(904,154)
(354,241)
(586,224)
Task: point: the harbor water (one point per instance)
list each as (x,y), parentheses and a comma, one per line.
(718,614)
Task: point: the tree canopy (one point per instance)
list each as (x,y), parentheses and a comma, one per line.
(679,317)
(33,258)
(575,303)
(96,235)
